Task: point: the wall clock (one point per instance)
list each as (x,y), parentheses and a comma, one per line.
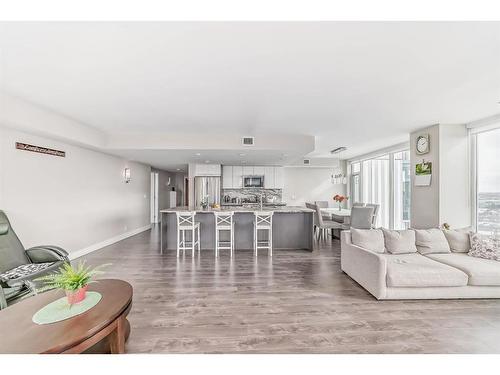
(423,144)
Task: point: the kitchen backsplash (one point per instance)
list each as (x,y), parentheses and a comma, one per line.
(253,195)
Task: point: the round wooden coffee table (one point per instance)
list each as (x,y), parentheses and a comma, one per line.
(107,320)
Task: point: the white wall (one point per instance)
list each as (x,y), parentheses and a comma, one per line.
(306,184)
(447,199)
(425,199)
(79,202)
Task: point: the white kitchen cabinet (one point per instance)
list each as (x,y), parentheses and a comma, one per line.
(248,170)
(237,177)
(279,178)
(259,171)
(227,177)
(269,177)
(207,170)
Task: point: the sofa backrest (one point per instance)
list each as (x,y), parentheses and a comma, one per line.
(11,249)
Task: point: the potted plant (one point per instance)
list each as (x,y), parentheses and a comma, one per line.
(339,199)
(73,280)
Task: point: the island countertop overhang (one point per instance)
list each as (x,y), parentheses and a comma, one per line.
(278,209)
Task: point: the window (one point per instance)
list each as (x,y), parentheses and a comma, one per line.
(376,187)
(384,180)
(355,182)
(487,167)
(401,183)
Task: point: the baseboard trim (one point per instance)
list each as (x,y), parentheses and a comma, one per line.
(109,241)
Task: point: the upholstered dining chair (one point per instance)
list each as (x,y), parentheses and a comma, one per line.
(19,267)
(376,208)
(323,204)
(324,225)
(361,218)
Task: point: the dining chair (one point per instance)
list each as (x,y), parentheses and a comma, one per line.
(323,204)
(358,204)
(375,211)
(324,225)
(361,218)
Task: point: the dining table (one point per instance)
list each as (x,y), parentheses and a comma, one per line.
(342,216)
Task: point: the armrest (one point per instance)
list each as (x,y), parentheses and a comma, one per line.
(3,301)
(43,254)
(367,268)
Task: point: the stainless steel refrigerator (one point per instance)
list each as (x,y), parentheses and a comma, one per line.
(206,187)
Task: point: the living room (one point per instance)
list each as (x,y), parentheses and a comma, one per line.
(271,187)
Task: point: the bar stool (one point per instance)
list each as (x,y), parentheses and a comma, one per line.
(263,222)
(186,223)
(224,222)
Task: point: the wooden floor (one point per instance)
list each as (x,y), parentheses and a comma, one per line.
(296,302)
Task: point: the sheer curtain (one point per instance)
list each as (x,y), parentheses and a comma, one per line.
(376,187)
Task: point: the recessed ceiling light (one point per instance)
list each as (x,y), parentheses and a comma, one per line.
(178,169)
(197,154)
(207,161)
(242,154)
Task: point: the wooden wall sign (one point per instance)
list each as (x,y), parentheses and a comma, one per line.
(39,149)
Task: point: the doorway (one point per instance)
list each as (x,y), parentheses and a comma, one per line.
(154,198)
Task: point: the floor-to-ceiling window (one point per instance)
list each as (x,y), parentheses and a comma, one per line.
(487,178)
(384,180)
(401,186)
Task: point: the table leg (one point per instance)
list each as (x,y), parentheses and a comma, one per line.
(117,337)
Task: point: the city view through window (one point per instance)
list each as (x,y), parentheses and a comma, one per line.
(488,182)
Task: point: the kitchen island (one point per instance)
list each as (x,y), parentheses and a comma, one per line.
(292,227)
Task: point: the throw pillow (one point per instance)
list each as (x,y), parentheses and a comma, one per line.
(458,239)
(399,241)
(484,247)
(370,239)
(431,241)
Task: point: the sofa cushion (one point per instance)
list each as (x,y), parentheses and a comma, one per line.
(370,239)
(399,241)
(484,247)
(431,241)
(480,271)
(415,270)
(458,239)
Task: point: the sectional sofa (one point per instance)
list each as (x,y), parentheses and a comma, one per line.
(416,272)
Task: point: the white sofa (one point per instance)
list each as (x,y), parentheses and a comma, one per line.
(415,276)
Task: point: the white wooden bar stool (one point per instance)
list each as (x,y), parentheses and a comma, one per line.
(263,222)
(224,223)
(186,223)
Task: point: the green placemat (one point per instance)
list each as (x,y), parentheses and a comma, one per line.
(61,309)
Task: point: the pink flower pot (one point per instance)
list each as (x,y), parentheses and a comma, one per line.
(76,295)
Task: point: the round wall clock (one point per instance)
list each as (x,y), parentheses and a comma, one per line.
(422,144)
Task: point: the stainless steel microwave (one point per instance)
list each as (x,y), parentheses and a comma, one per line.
(253,181)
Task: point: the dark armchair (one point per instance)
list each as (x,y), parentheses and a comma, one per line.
(19,266)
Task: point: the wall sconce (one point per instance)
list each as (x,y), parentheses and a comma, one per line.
(126,175)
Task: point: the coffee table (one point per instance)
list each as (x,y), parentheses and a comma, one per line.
(105,326)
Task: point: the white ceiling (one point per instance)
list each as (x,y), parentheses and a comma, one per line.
(364,85)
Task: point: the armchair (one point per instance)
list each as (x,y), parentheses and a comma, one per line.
(19,267)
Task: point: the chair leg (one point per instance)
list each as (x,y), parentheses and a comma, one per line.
(178,243)
(270,242)
(232,241)
(255,238)
(199,239)
(193,239)
(216,243)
